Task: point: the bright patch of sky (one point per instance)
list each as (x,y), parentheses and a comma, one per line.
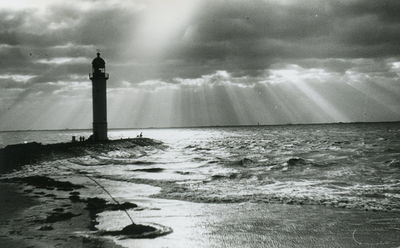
(200,62)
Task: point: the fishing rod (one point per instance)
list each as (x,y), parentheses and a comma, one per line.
(102,187)
(108,193)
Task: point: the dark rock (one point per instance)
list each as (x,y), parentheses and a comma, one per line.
(97,205)
(45,183)
(74,198)
(54,217)
(233,175)
(150,170)
(46,228)
(214,177)
(15,232)
(296,161)
(137,229)
(183,172)
(132,230)
(246,161)
(125,205)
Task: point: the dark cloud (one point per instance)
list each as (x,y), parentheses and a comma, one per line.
(49,50)
(385,10)
(107,28)
(238,36)
(260,19)
(369,27)
(252,36)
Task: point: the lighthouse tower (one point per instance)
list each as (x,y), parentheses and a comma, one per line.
(99,98)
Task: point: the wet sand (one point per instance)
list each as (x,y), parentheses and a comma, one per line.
(22,225)
(24,208)
(12,204)
(261,225)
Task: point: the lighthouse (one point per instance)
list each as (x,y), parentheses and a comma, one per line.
(99,98)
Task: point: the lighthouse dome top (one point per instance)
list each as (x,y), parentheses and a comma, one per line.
(98,62)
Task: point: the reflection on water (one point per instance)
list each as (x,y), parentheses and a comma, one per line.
(343,165)
(261,225)
(246,186)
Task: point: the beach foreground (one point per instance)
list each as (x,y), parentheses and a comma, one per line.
(244,187)
(23,215)
(28,211)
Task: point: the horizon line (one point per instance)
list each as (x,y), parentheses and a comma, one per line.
(209,126)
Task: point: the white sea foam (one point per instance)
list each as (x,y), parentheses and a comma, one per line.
(343,165)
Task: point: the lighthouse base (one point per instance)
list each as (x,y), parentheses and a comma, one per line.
(99,131)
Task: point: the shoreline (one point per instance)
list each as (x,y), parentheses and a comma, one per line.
(42,212)
(56,214)
(194,224)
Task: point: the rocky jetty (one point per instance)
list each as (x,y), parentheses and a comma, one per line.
(14,156)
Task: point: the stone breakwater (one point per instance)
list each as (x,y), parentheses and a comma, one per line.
(12,157)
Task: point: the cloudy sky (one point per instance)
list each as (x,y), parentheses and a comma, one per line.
(199,62)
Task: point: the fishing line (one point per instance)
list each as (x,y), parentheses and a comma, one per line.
(102,187)
(108,193)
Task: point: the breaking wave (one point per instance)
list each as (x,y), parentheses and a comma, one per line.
(327,165)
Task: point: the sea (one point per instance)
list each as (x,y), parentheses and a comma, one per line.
(345,165)
(352,166)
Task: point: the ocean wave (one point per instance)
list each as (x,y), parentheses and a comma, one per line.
(294,163)
(101,161)
(394,163)
(331,167)
(282,193)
